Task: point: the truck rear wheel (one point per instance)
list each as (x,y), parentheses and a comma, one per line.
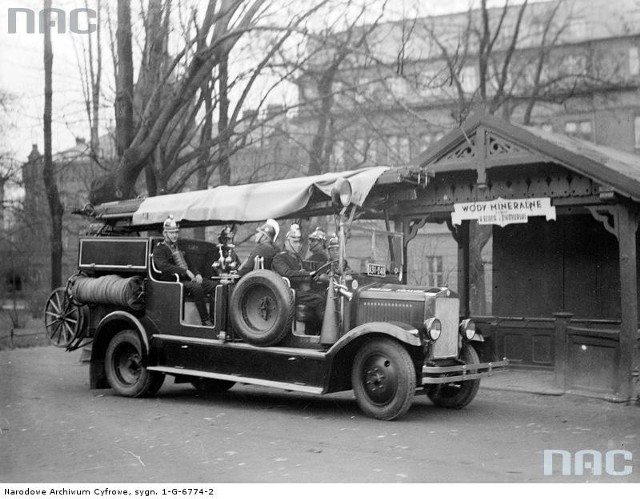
(262,308)
(125,372)
(384,379)
(460,394)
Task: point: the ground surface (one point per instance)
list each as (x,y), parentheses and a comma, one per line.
(54,429)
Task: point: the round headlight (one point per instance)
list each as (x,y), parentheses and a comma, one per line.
(342,192)
(468,328)
(433,328)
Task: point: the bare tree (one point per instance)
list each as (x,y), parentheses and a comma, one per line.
(53,196)
(90,68)
(168,134)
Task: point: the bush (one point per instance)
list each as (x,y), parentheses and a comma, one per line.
(30,333)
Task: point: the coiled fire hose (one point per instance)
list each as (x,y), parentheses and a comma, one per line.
(109,290)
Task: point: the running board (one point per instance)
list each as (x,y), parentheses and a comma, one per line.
(292,387)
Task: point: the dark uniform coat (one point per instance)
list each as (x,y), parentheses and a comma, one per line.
(290,265)
(165,262)
(266,250)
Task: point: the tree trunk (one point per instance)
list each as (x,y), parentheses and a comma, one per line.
(223,121)
(319,160)
(124,79)
(95,86)
(205,140)
(53,196)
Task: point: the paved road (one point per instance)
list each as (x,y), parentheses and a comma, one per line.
(54,429)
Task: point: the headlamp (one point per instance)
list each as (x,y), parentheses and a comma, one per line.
(468,328)
(433,328)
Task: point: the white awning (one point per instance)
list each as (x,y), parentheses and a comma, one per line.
(252,202)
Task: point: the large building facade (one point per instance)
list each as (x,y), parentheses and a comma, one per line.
(574,69)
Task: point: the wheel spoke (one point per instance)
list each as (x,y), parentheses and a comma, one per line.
(56,314)
(56,333)
(54,304)
(70,332)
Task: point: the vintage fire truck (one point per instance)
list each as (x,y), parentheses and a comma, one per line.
(382,339)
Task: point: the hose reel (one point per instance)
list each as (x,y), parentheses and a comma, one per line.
(111,290)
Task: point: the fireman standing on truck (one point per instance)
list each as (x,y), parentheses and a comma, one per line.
(288,263)
(265,248)
(170,261)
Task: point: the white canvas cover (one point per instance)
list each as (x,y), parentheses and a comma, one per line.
(252,202)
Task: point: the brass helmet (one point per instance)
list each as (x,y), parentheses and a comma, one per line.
(270,229)
(334,242)
(294,231)
(170,225)
(319,236)
(226,236)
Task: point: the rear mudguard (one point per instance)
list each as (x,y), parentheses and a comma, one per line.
(109,326)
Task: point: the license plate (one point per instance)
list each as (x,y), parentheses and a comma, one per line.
(375,269)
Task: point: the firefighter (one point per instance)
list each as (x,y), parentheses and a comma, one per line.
(317,247)
(288,263)
(333,247)
(265,249)
(227,260)
(170,260)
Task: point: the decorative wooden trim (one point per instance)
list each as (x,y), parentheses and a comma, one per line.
(414,226)
(607,216)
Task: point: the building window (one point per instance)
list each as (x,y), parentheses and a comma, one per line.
(636,131)
(338,153)
(469,79)
(359,151)
(372,153)
(404,149)
(634,61)
(398,87)
(579,129)
(435,276)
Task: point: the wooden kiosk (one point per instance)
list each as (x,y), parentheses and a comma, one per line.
(563,216)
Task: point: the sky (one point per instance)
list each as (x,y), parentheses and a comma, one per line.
(22,75)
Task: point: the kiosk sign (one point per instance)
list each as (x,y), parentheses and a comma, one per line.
(503,212)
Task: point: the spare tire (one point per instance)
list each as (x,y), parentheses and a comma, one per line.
(262,308)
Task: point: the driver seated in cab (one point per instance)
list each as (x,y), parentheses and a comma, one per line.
(289,264)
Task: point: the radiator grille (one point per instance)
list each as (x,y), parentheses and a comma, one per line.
(447,310)
(386,311)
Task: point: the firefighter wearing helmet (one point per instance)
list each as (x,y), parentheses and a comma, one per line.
(288,263)
(333,247)
(317,247)
(227,261)
(170,260)
(262,255)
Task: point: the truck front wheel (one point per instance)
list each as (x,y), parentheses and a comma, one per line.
(460,394)
(384,379)
(125,372)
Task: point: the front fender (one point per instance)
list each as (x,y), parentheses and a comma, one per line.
(398,330)
(343,352)
(109,326)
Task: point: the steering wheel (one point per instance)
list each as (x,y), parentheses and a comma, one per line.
(322,267)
